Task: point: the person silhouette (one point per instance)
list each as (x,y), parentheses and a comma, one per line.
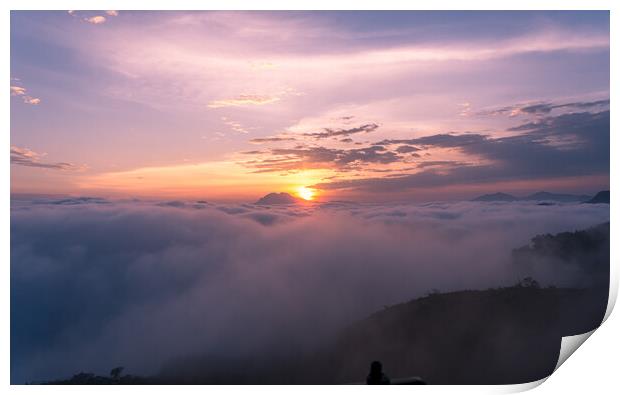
(376,375)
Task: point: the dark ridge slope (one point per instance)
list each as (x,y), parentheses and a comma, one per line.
(601,197)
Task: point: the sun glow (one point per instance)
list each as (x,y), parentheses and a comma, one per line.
(305,193)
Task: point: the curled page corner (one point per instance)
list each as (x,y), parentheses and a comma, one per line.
(518,388)
(613,293)
(569,345)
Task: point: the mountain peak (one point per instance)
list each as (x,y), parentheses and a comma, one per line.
(277,198)
(601,197)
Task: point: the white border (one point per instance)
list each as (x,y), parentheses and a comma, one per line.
(592,370)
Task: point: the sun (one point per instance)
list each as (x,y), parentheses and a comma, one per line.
(305,193)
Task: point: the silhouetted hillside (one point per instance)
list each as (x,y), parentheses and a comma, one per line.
(93,379)
(496,336)
(501,336)
(587,251)
(601,197)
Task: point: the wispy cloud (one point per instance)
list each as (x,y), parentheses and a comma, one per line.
(96,20)
(243,100)
(31,100)
(271,140)
(542,108)
(328,132)
(235,126)
(262,65)
(17,90)
(465,109)
(92,19)
(20,91)
(26,157)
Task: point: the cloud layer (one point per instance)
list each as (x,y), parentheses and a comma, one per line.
(97,284)
(572,144)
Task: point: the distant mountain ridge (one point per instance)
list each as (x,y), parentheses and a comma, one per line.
(496,197)
(538,196)
(558,197)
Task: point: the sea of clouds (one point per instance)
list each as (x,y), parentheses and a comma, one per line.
(97,284)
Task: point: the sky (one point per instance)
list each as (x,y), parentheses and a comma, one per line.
(365,106)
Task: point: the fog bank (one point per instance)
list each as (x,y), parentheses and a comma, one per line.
(97,284)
